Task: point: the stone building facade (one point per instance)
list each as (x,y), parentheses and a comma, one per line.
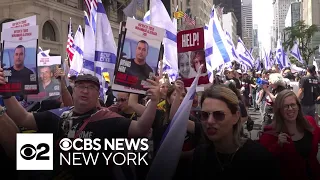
(53,18)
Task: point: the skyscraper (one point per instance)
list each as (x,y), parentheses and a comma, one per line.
(247,23)
(280,11)
(232,6)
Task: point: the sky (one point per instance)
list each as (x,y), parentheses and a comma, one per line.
(262,11)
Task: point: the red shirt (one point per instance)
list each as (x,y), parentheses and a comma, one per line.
(292,165)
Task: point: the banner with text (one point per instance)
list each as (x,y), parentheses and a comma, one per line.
(19,60)
(190,45)
(48,85)
(139,58)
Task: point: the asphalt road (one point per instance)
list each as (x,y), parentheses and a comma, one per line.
(256,117)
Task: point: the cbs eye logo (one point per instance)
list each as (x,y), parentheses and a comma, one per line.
(29,152)
(65,144)
(34,151)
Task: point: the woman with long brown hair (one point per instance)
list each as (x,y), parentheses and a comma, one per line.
(226,155)
(293,139)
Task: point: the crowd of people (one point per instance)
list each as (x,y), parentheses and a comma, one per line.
(216,145)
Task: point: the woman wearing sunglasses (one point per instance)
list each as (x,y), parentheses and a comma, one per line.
(226,155)
(293,139)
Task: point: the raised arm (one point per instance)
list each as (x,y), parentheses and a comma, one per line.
(8,131)
(142,127)
(65,95)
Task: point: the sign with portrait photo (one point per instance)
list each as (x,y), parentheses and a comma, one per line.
(139,57)
(19,60)
(48,85)
(191,55)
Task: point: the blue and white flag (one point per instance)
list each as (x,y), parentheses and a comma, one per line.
(233,48)
(146,17)
(257,64)
(43,53)
(77,60)
(165,163)
(159,17)
(89,47)
(295,52)
(106,49)
(281,56)
(216,45)
(244,55)
(267,63)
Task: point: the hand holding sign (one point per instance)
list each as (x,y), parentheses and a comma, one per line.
(2,78)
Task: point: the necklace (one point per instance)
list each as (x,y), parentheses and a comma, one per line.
(229,162)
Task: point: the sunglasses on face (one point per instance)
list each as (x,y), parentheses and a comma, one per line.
(121,100)
(217,115)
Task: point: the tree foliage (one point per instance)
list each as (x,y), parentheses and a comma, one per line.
(303,33)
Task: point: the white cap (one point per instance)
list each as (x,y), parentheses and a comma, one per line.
(239,71)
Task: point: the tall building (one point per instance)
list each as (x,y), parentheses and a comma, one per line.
(229,22)
(311,15)
(53,18)
(200,10)
(294,14)
(255,43)
(247,23)
(280,10)
(232,6)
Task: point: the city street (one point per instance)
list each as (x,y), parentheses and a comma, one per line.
(256,117)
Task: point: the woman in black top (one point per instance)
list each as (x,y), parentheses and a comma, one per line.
(226,155)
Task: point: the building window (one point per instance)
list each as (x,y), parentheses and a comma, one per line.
(48,32)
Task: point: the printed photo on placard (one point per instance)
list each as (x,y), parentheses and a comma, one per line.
(139,57)
(19,62)
(48,85)
(191,55)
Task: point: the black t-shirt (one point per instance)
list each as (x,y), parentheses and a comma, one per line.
(250,160)
(23,76)
(142,72)
(48,122)
(132,116)
(311,91)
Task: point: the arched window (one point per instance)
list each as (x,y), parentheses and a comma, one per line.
(48,32)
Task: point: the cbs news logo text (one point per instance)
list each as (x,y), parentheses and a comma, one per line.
(35,151)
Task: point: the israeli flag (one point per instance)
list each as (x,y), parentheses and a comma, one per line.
(77,60)
(295,52)
(106,49)
(244,55)
(165,163)
(89,44)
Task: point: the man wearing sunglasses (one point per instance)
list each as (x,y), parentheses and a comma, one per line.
(125,110)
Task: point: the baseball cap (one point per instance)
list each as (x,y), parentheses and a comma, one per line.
(311,68)
(89,78)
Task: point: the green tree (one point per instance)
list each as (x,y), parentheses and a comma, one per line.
(303,33)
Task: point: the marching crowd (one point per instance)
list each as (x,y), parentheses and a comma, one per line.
(215,146)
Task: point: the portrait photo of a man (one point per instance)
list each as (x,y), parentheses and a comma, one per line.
(139,66)
(47,82)
(19,72)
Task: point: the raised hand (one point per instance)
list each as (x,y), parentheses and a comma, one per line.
(153,91)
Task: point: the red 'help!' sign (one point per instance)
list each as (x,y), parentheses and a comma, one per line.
(190,40)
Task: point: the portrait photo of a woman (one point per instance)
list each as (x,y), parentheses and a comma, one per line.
(184,65)
(197,59)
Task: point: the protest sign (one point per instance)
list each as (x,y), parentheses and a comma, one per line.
(48,84)
(191,55)
(139,57)
(19,58)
